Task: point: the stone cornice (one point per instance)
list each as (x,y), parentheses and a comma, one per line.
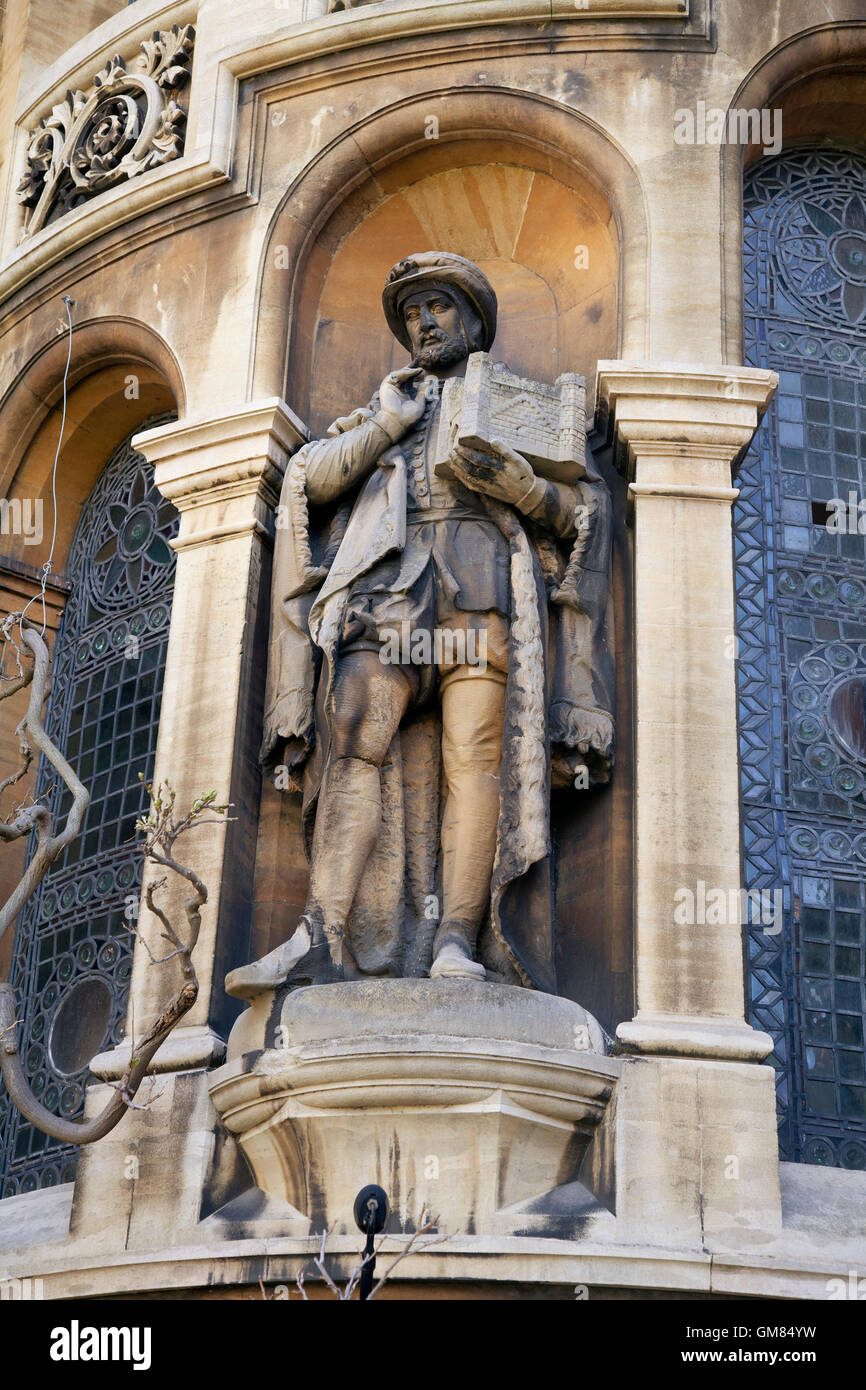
(369,24)
(659,410)
(239,41)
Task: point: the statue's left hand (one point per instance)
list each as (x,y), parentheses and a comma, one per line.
(498,471)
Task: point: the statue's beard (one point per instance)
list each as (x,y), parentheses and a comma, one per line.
(440,352)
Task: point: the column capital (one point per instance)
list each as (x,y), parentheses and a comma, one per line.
(670,410)
(215,461)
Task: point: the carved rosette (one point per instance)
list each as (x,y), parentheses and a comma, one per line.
(129,120)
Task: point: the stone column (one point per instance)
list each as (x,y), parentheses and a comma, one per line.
(679,432)
(223,475)
(697,1153)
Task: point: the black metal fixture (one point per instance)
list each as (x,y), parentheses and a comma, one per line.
(371,1213)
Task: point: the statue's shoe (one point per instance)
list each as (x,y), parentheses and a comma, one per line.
(296,962)
(453,962)
(272,970)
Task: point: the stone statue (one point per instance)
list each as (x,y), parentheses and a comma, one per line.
(439,658)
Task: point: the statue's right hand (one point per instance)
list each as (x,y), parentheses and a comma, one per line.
(402,407)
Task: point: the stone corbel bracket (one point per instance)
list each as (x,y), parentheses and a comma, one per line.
(128,121)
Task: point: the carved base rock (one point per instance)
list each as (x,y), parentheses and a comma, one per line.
(462,1099)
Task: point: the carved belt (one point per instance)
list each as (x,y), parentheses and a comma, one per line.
(418,518)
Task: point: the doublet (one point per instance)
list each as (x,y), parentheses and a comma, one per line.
(455,557)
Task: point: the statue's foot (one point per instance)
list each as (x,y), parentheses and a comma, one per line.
(318,967)
(454,962)
(305,959)
(272,970)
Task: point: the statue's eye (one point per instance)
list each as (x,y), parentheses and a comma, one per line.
(412,313)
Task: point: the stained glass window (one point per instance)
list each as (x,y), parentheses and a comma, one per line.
(73,950)
(801,607)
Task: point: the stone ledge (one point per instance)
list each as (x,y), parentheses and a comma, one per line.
(707,1038)
(186,1049)
(496,1259)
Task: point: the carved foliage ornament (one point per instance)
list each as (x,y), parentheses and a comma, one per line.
(128,121)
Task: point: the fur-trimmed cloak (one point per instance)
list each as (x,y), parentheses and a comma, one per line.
(559,710)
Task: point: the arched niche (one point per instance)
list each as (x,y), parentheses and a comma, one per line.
(549,249)
(817,80)
(120,374)
(569,286)
(591,187)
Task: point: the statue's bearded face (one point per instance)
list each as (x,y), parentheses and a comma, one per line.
(435,329)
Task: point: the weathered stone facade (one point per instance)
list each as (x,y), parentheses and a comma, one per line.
(224,222)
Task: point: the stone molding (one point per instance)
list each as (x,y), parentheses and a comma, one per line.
(211,1263)
(233,47)
(712,1039)
(659,410)
(184,1049)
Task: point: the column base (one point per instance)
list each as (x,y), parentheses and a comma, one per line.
(697,1154)
(674,1036)
(183,1050)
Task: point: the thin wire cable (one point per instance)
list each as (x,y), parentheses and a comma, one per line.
(46,568)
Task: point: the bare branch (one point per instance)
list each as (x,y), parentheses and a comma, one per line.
(161,831)
(319,1262)
(410,1247)
(31,731)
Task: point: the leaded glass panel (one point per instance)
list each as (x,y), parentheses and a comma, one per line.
(73,950)
(801,607)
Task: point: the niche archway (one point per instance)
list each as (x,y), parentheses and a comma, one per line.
(550,242)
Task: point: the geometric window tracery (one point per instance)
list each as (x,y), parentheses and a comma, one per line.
(72,956)
(801,613)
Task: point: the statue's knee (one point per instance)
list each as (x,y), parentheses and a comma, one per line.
(368,706)
(354,737)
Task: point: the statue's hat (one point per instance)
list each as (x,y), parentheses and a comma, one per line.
(438,268)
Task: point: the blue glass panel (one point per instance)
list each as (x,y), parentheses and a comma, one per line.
(802,651)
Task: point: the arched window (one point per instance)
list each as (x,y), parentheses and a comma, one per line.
(801,581)
(73,949)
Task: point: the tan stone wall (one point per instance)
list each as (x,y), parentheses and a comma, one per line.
(555,129)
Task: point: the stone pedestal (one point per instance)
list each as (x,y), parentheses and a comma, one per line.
(463,1100)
